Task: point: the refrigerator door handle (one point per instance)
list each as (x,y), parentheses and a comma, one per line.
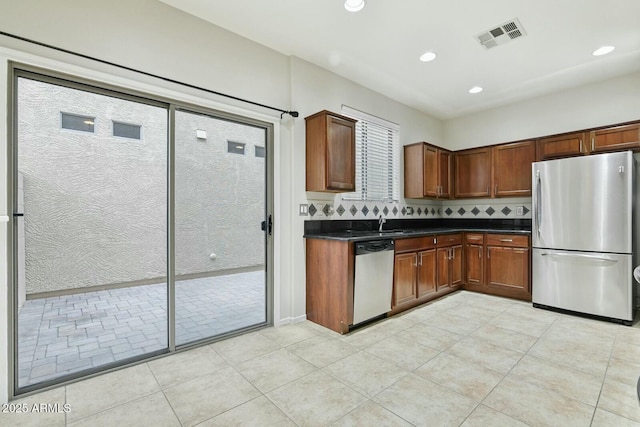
(596,258)
(538,201)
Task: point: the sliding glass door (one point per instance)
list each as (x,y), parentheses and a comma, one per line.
(219,206)
(136,227)
(91,220)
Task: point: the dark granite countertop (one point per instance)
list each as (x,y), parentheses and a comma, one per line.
(401,229)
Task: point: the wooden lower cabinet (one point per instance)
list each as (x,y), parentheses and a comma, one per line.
(499,264)
(419,274)
(426,280)
(330,275)
(404,283)
(508,269)
(474,261)
(449,267)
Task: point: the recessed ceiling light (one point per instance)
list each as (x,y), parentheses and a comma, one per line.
(428,56)
(475,89)
(354,5)
(603,50)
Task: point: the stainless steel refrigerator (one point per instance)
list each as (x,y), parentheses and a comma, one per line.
(582,231)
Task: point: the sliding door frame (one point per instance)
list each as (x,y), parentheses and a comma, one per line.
(16,70)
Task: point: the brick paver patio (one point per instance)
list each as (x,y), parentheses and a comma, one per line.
(67,334)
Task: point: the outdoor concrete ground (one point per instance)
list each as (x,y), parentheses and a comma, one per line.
(62,335)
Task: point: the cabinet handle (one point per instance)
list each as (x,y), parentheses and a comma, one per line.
(496,190)
(488,253)
(593,143)
(420,263)
(474,238)
(435,240)
(581,145)
(452,239)
(506,240)
(415,263)
(453,254)
(479,252)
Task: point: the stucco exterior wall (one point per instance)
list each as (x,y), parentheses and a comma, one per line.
(96,205)
(219,195)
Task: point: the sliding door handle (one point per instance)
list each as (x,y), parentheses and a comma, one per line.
(267,225)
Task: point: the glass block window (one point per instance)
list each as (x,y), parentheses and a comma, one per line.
(235,147)
(126,130)
(78,122)
(259,151)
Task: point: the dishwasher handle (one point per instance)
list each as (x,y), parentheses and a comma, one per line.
(373,246)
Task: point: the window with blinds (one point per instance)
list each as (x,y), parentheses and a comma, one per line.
(377,158)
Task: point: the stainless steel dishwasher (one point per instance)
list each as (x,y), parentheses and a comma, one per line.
(374,279)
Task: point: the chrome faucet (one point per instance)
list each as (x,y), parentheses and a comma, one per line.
(380,222)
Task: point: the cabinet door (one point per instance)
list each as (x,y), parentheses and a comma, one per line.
(444,268)
(341,154)
(430,178)
(473,173)
(474,257)
(404,278)
(616,138)
(414,163)
(512,169)
(573,144)
(426,272)
(444,173)
(456,266)
(508,268)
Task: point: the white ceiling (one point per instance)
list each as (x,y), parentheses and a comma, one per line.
(379,46)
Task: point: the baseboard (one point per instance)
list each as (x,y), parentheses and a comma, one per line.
(290,320)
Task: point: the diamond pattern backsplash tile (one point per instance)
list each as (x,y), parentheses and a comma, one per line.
(481,208)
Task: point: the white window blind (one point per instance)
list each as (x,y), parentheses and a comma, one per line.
(377,158)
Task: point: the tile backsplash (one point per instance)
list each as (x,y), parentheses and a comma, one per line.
(467,209)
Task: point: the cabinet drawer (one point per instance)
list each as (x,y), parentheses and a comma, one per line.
(449,240)
(508,240)
(414,244)
(477,238)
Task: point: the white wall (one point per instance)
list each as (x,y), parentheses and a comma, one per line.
(608,102)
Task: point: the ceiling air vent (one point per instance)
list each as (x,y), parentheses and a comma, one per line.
(501,34)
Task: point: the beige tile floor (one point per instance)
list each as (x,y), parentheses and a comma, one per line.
(467,359)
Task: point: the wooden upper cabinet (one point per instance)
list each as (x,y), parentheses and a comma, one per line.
(444,173)
(427,171)
(571,144)
(330,152)
(473,173)
(512,169)
(626,137)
